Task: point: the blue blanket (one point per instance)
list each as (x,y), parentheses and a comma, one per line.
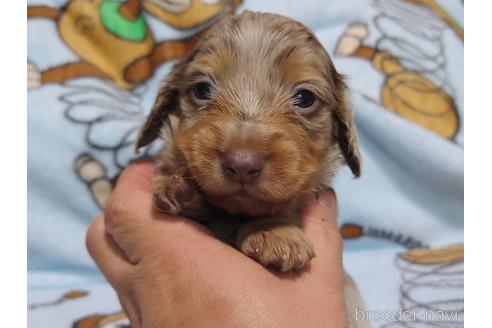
(402,220)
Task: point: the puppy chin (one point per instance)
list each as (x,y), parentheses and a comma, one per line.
(243,204)
(251,200)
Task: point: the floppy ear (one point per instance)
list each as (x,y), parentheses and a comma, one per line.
(167,101)
(346,133)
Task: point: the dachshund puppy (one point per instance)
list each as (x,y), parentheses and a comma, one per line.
(255,121)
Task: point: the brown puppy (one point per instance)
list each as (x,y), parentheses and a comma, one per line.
(255,121)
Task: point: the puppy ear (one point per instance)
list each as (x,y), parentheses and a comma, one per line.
(167,101)
(346,133)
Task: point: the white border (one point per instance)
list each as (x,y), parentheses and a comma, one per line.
(478,183)
(13,152)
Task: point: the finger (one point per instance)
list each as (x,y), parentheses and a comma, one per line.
(114,265)
(319,222)
(108,257)
(133,191)
(139,174)
(129,211)
(131,310)
(134,224)
(137,228)
(130,206)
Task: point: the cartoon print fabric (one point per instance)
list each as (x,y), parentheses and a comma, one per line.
(113,40)
(415,83)
(93,69)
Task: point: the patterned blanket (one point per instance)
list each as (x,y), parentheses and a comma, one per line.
(93,70)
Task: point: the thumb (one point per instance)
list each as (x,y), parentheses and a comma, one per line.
(319,223)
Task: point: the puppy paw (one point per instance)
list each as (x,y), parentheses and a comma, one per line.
(33,76)
(173,195)
(282,248)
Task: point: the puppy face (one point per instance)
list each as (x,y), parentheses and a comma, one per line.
(262,114)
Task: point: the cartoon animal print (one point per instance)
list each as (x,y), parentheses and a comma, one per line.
(431,291)
(434,6)
(114,41)
(94,175)
(111,118)
(355,231)
(415,84)
(114,320)
(68,296)
(432,287)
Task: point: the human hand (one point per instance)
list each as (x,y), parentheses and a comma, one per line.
(171,271)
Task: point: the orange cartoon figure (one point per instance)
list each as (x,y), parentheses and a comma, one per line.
(68,296)
(414,86)
(114,41)
(114,320)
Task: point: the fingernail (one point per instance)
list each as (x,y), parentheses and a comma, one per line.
(328,198)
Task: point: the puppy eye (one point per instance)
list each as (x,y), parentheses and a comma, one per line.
(202,91)
(304,99)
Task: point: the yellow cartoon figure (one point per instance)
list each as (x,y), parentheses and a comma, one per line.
(425,256)
(113,40)
(407,91)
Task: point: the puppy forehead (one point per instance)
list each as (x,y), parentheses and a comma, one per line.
(263,47)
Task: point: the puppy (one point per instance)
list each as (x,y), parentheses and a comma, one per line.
(255,121)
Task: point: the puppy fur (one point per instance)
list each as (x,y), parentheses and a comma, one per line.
(254,63)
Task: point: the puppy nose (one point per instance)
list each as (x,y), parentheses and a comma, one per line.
(242,166)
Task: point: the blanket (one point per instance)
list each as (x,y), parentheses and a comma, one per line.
(92,78)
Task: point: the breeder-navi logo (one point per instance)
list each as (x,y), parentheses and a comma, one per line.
(405,315)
